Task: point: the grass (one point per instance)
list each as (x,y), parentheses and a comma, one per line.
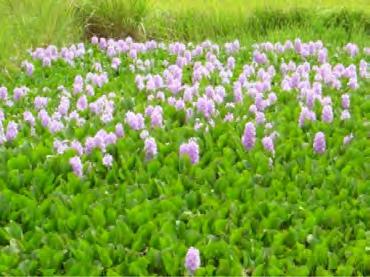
(248,7)
(113,18)
(32,23)
(259,25)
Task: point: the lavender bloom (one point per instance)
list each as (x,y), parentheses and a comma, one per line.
(252,109)
(108,160)
(60,146)
(191,149)
(144,134)
(345,101)
(3,93)
(28,117)
(260,118)
(205,106)
(306,114)
(363,69)
(310,98)
(46,62)
(347,139)
(319,143)
(327,114)
(259,102)
(94,40)
(29,67)
(171,100)
(89,90)
(64,105)
(18,93)
(78,84)
(55,126)
(150,147)
(219,94)
(352,83)
(272,98)
(268,144)
(116,62)
(323,56)
(180,104)
(259,57)
(135,121)
(192,260)
(11,131)
(103,43)
(229,117)
(351,49)
(2,136)
(345,115)
(249,136)
(238,92)
(231,62)
(40,102)
(77,146)
(110,138)
(76,165)
(119,130)
(44,117)
(156,118)
(82,103)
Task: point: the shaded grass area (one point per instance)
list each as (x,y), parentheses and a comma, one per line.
(32,23)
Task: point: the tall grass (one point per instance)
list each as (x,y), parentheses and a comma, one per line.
(31,23)
(113,18)
(249,6)
(214,23)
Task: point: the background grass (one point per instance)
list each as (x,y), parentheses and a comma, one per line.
(32,23)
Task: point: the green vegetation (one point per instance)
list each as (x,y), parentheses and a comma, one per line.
(295,212)
(33,23)
(281,209)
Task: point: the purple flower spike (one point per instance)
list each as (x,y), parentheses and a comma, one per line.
(319,143)
(345,101)
(11,131)
(268,144)
(249,136)
(192,260)
(150,148)
(190,149)
(76,165)
(327,114)
(347,139)
(119,130)
(108,160)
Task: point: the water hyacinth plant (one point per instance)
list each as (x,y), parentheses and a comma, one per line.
(94,139)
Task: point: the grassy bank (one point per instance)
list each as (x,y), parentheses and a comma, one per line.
(31,23)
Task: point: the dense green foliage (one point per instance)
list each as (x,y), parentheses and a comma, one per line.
(298,214)
(307,214)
